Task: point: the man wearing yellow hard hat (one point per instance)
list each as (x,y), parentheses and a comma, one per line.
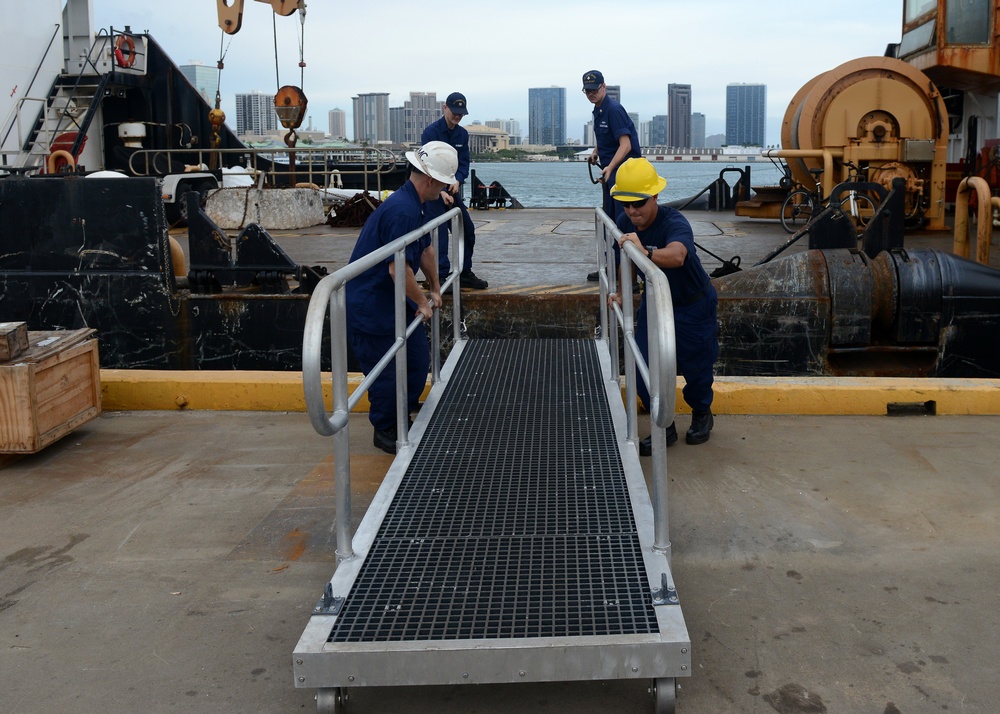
(666,236)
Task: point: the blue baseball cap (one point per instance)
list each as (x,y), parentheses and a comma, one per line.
(593,79)
(456,102)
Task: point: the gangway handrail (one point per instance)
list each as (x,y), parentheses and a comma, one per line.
(330,295)
(660,374)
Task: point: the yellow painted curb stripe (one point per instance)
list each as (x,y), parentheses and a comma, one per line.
(851,395)
(141,390)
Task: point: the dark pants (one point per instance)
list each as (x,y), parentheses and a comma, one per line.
(696,329)
(611,207)
(437,208)
(369,349)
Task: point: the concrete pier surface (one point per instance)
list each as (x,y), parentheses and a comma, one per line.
(168,561)
(165,561)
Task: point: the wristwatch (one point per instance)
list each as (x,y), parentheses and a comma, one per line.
(649,251)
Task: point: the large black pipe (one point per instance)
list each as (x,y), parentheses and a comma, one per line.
(838,312)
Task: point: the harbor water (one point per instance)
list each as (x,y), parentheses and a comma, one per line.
(567,184)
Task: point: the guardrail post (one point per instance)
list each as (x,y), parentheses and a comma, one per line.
(984,219)
(330,295)
(660,374)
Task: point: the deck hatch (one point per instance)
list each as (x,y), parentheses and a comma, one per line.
(525,530)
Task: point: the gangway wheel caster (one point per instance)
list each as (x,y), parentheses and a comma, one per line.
(330,701)
(664,695)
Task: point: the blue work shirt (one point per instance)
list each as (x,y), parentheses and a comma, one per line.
(611,121)
(370,296)
(670,226)
(457,137)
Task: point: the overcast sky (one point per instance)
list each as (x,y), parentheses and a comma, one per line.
(493,52)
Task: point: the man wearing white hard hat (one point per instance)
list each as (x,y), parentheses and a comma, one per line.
(370,306)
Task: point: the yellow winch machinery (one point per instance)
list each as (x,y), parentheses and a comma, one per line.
(880,114)
(903,116)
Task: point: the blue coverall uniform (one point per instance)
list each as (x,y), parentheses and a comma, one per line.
(371,312)
(458,138)
(611,121)
(695,305)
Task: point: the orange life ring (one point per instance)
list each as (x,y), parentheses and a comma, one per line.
(124,51)
(59,158)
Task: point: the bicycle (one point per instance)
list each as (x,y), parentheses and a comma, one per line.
(802,205)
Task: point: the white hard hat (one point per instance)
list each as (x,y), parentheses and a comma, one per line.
(436,159)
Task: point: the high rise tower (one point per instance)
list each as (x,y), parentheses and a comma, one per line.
(679,115)
(371,117)
(204,78)
(255,113)
(746,114)
(338,123)
(547,115)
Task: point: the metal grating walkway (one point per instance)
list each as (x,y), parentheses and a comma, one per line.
(511,541)
(513,518)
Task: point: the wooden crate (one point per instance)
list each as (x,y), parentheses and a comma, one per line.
(49,390)
(13,339)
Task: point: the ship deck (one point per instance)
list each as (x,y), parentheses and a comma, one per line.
(168,560)
(551,250)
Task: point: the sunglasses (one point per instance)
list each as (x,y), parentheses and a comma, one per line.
(635,204)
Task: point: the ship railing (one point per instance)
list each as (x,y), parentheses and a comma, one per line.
(330,297)
(660,373)
(38,129)
(14,117)
(16,155)
(279,166)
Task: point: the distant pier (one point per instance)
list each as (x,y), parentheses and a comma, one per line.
(725,154)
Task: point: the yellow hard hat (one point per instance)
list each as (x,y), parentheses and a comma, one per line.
(637,179)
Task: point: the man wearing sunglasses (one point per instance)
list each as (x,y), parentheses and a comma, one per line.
(667,239)
(615,136)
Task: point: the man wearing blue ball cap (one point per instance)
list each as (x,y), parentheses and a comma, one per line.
(615,136)
(448,130)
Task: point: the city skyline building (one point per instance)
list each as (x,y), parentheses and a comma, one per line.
(615,92)
(203,78)
(658,130)
(371,118)
(679,115)
(547,115)
(511,126)
(547,112)
(644,128)
(397,124)
(255,113)
(338,123)
(422,109)
(746,114)
(697,130)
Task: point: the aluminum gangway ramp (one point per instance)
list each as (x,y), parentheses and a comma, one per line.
(511,541)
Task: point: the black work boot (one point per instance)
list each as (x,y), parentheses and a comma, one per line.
(646,445)
(468,279)
(385,440)
(701,427)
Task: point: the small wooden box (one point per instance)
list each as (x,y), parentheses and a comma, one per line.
(13,339)
(50,390)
